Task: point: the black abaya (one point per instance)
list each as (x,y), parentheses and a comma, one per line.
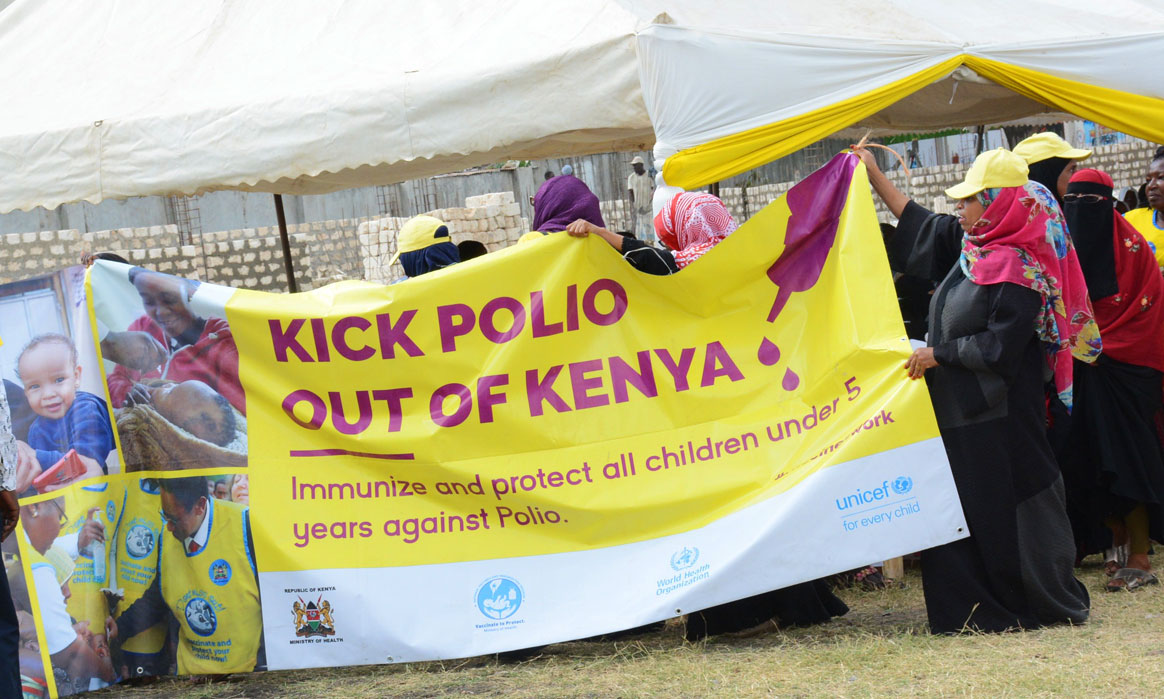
(1015,570)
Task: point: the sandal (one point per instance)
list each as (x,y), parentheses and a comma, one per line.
(1130,579)
(871,579)
(1115,559)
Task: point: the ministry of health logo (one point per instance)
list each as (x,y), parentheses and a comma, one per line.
(499,597)
(313,618)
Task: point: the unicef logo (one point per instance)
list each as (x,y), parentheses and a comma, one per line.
(499,597)
(902,485)
(139,541)
(684,558)
(200,617)
(110,511)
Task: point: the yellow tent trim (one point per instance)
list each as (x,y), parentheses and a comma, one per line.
(1123,111)
(731,155)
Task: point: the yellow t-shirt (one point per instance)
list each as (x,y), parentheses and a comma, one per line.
(139,534)
(1147,223)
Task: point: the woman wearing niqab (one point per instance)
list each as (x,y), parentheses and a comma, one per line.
(1113,464)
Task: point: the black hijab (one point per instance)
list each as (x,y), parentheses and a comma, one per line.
(429,259)
(1092,225)
(1046,172)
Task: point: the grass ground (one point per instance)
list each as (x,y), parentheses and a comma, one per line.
(882,647)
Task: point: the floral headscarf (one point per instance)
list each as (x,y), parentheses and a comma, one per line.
(1021,239)
(692,223)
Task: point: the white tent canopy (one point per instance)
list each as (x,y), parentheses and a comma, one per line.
(749,64)
(140,97)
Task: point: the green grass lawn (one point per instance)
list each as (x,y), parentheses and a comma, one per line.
(882,647)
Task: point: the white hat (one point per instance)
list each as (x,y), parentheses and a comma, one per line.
(637,160)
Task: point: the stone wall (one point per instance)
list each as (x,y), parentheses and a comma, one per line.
(250,258)
(329,251)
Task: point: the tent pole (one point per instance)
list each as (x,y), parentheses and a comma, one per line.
(286,243)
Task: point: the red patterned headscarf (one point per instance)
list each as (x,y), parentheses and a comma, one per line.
(1123,279)
(1021,239)
(692,223)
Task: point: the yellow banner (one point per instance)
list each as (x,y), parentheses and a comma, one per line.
(551,398)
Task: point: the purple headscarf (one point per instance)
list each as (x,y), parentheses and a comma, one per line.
(563,200)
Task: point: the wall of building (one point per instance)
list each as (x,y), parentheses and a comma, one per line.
(361,247)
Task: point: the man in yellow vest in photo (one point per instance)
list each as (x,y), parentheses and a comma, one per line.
(208,581)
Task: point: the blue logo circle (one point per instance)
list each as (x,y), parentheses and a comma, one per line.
(499,597)
(684,558)
(200,617)
(902,485)
(139,541)
(220,572)
(110,511)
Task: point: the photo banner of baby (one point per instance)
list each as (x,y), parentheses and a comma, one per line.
(53,382)
(58,562)
(172,370)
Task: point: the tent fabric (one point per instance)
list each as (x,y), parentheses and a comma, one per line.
(136,97)
(723,101)
(139,97)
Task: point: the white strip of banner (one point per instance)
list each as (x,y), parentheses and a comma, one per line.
(840,518)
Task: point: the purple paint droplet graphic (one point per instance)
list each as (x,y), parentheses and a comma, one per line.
(791,380)
(815,206)
(769,353)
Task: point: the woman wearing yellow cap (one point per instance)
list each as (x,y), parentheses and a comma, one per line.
(423,245)
(1051,161)
(1149,220)
(1010,310)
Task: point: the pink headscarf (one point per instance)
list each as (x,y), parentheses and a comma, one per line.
(691,224)
(1021,239)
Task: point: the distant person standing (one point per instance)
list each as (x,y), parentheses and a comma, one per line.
(640,189)
(1149,219)
(10,511)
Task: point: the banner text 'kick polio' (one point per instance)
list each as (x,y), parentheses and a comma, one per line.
(538,445)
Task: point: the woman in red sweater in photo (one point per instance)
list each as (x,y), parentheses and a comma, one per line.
(196,348)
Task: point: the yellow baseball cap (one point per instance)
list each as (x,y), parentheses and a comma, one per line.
(994,168)
(1048,145)
(418,233)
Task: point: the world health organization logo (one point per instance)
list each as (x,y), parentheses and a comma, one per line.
(684,558)
(902,485)
(499,597)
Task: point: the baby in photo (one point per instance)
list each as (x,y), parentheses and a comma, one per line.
(193,406)
(67,417)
